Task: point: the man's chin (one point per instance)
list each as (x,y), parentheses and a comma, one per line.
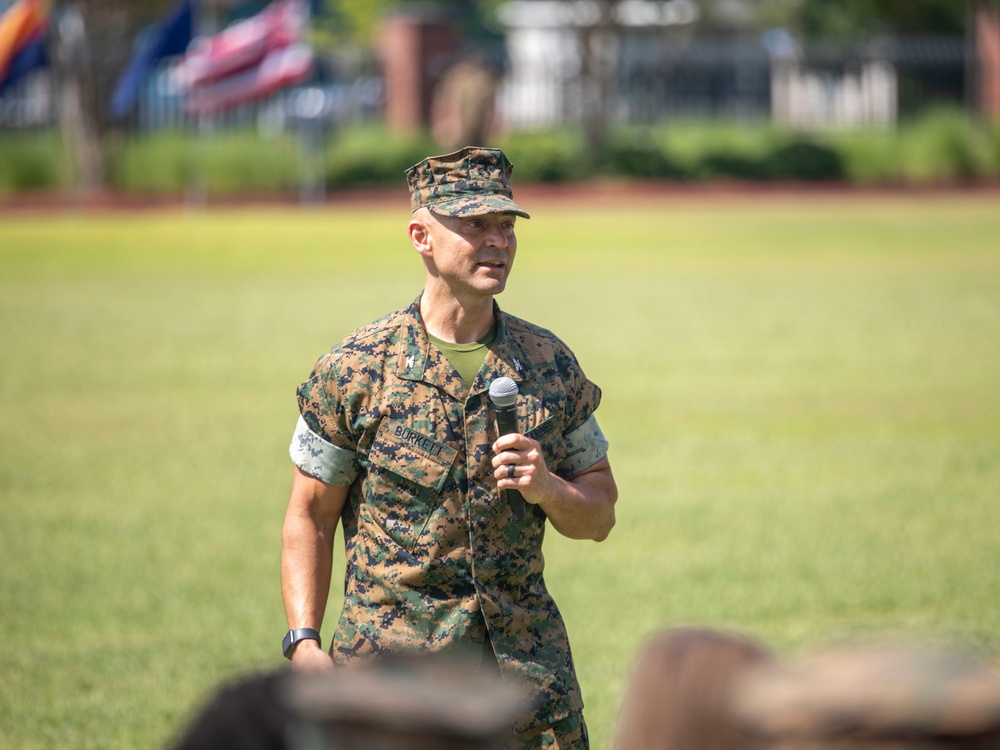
(493,287)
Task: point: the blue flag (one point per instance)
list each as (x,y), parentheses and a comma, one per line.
(169,38)
(31,56)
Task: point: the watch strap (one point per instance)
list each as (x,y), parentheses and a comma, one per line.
(295,635)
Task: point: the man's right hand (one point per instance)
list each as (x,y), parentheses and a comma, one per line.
(309,657)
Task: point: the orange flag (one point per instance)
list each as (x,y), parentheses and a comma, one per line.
(22,22)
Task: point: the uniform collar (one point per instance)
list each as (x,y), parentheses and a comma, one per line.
(421,361)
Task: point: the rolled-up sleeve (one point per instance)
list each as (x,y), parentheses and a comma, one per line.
(320,458)
(586,445)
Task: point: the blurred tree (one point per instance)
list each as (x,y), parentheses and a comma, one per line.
(91,42)
(352,21)
(89,46)
(865,17)
(356,22)
(597,46)
(345,32)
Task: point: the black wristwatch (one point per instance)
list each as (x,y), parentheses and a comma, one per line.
(294,636)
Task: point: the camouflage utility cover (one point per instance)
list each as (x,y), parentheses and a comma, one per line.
(469,182)
(432,546)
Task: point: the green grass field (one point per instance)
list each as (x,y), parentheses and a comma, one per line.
(802,396)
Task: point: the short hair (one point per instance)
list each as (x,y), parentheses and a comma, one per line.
(678,695)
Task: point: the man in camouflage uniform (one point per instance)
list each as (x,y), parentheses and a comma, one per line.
(397,440)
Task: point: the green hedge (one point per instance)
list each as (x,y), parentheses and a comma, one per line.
(30,161)
(942,146)
(222,162)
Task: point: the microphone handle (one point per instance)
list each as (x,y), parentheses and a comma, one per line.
(506,425)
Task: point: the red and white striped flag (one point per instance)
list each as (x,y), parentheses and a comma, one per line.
(247,61)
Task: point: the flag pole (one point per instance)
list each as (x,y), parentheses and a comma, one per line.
(310,103)
(196,184)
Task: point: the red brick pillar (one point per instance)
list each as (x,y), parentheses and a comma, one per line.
(988,46)
(415,51)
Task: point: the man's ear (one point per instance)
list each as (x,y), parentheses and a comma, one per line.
(420,236)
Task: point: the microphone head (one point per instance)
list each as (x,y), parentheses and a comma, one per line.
(503,392)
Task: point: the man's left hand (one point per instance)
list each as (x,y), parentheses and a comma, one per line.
(581,506)
(518,464)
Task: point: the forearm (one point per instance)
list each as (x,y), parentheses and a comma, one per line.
(306,569)
(582,507)
(307,538)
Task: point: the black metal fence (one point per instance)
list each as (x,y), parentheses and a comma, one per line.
(813,84)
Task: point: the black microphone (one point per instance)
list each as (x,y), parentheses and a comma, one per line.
(503,394)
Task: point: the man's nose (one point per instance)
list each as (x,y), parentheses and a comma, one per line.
(497,237)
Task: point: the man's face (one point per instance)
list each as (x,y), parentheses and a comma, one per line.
(472,253)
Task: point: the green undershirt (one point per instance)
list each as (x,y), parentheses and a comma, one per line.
(467,359)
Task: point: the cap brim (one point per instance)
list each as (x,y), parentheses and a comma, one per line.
(477,206)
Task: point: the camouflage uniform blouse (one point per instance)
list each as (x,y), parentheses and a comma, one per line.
(430,541)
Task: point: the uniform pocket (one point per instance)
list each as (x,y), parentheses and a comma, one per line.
(407,471)
(411,455)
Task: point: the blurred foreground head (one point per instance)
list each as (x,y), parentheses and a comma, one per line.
(697,689)
(246,713)
(399,703)
(677,697)
(404,703)
(873,698)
